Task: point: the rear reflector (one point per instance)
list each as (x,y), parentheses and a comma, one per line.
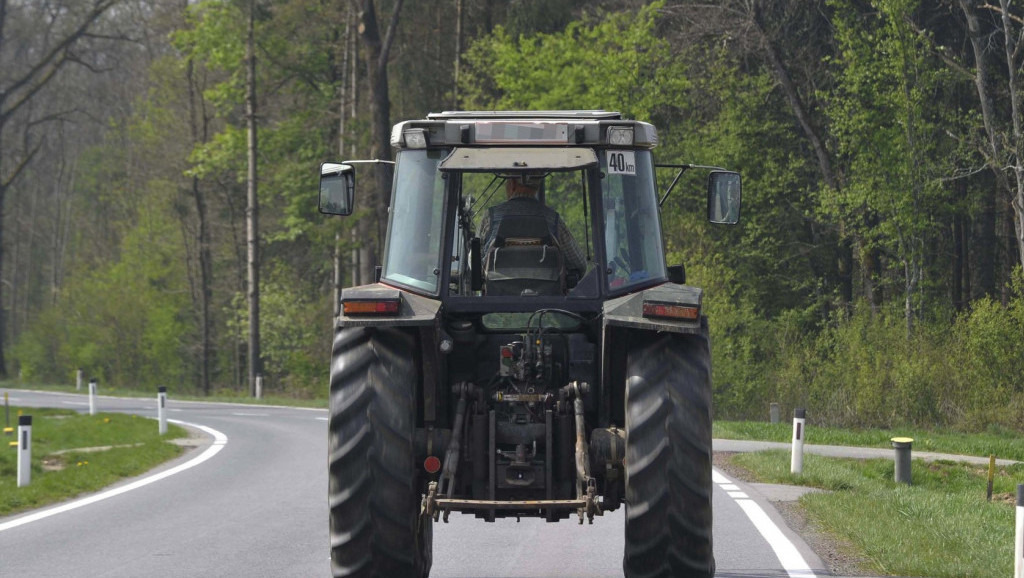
(669,311)
(388,307)
(432,464)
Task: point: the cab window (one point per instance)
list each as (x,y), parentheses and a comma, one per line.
(632,233)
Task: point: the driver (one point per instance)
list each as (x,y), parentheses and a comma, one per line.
(521,193)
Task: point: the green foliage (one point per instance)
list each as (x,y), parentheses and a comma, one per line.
(123,322)
(748,131)
(890,123)
(865,370)
(985,347)
(612,62)
(532,16)
(294,323)
(890,114)
(214,36)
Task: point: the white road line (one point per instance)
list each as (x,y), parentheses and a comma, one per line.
(75,402)
(219,441)
(785,551)
(248,414)
(170,398)
(320,418)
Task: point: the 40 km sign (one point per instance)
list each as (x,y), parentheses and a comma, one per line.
(621,162)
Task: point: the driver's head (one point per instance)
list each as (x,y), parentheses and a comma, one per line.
(516,187)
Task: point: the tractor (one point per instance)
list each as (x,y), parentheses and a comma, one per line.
(544,363)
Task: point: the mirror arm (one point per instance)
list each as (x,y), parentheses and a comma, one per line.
(369,162)
(682,169)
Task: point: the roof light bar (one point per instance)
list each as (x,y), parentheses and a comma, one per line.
(517,132)
(541,129)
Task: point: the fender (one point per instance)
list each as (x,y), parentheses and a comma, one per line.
(627,311)
(413,310)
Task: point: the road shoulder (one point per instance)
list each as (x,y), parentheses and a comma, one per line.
(838,557)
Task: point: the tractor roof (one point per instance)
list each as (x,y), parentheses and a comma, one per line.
(547,128)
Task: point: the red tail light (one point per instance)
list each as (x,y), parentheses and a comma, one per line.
(671,311)
(376,307)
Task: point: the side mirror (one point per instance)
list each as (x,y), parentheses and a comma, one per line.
(337,189)
(677,274)
(724,197)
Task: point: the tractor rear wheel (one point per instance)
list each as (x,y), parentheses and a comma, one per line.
(668,457)
(374,496)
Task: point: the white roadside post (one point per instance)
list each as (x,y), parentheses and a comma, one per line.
(796,464)
(78,380)
(161,412)
(259,386)
(92,396)
(24,450)
(1018,549)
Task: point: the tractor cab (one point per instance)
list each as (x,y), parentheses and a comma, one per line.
(455,235)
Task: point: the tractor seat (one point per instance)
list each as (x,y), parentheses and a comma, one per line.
(524,259)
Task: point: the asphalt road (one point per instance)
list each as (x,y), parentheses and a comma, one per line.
(257,507)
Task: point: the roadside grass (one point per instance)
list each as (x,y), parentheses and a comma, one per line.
(942,526)
(1003,443)
(222,396)
(61,469)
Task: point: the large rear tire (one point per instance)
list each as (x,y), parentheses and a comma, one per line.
(668,457)
(374,497)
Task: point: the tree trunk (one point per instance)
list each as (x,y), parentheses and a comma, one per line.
(458,52)
(252,205)
(339,271)
(200,135)
(983,245)
(956,294)
(377,51)
(995,153)
(1014,61)
(3,193)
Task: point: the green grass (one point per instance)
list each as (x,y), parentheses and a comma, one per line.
(226,396)
(74,472)
(942,526)
(1004,444)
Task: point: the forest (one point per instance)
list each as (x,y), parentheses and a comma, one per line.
(158,165)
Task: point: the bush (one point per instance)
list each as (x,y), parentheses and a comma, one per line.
(865,370)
